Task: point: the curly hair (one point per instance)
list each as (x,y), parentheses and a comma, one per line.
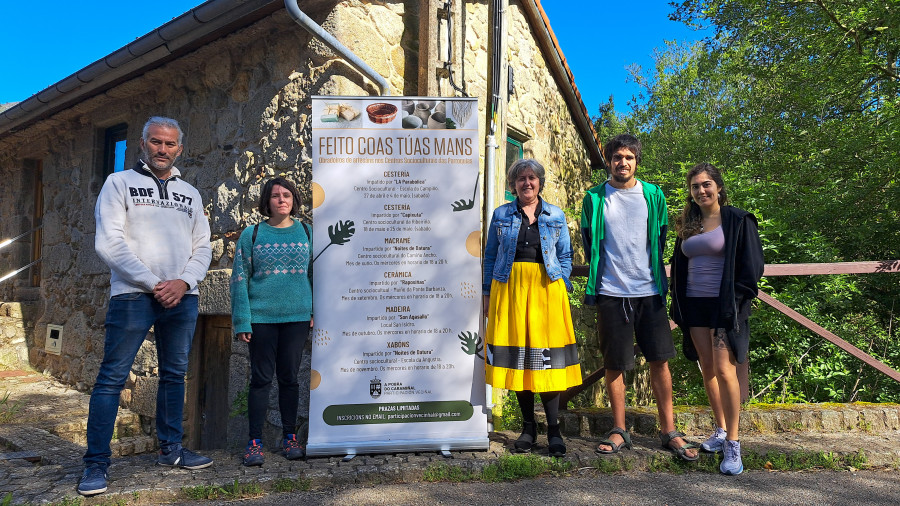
(688,223)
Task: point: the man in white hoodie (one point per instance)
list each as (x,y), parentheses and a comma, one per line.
(154,236)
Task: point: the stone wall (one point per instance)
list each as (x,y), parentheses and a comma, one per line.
(244,104)
(537,106)
(15,320)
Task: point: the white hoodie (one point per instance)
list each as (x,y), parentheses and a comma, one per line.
(150,231)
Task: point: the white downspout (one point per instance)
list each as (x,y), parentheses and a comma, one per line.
(306,22)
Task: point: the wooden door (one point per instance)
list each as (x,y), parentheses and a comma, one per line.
(206,397)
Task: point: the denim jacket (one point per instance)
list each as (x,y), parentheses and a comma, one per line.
(556,247)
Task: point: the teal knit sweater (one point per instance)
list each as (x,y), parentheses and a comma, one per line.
(273,284)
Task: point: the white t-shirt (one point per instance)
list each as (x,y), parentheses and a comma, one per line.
(626,267)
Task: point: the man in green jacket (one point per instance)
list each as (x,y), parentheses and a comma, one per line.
(623,225)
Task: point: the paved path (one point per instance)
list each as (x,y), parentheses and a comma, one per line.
(398,478)
(695,489)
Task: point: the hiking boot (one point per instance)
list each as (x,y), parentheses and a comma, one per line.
(183,458)
(93,480)
(731,464)
(254,456)
(292,448)
(715,442)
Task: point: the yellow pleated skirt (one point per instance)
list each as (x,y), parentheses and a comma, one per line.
(530,338)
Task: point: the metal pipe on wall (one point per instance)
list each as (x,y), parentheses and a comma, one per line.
(306,22)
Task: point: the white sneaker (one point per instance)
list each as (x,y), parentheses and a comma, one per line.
(715,442)
(732,464)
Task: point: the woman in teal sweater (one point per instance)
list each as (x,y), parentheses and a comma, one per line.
(271,310)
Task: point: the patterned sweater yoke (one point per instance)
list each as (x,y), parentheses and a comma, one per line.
(271,280)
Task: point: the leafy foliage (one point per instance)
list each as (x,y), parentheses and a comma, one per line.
(798,102)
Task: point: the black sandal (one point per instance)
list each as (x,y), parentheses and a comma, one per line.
(666,440)
(555,442)
(626,441)
(525,443)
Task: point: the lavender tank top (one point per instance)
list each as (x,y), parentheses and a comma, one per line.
(706,259)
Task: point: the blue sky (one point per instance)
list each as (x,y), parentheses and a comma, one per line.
(48,41)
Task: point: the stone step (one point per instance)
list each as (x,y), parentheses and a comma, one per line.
(755,419)
(71,438)
(63,411)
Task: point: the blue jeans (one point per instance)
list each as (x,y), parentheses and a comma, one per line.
(128,320)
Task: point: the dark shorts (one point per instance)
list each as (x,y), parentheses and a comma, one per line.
(700,312)
(626,320)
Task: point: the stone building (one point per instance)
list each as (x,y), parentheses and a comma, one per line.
(238,75)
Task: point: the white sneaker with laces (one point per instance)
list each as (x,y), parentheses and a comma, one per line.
(731,464)
(715,442)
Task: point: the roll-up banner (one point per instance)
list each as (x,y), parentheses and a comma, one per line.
(397,359)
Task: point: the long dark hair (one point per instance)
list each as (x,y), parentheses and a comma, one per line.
(688,223)
(266,194)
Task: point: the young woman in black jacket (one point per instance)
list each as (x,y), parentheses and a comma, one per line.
(716,266)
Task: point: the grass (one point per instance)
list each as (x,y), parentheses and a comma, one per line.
(201,492)
(525,466)
(769,461)
(444,472)
(667,463)
(613,465)
(8,410)
(70,501)
(291,485)
(801,461)
(236,490)
(507,468)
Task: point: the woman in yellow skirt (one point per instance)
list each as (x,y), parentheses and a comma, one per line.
(530,339)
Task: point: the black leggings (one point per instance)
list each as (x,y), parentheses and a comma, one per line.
(275,347)
(550,401)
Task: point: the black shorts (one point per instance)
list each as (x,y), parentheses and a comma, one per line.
(701,312)
(626,320)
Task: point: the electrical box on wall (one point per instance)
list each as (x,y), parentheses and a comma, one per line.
(53,344)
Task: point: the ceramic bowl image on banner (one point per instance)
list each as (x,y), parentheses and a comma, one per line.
(411,121)
(318,195)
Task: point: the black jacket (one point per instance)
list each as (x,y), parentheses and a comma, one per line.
(744,264)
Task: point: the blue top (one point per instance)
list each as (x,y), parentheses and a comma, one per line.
(273,284)
(503,236)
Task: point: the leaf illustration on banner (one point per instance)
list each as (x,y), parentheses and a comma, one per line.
(340,234)
(471,343)
(463,204)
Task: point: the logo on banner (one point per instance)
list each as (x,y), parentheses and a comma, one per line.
(375,388)
(398,388)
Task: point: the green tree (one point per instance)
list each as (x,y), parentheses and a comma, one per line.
(797,101)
